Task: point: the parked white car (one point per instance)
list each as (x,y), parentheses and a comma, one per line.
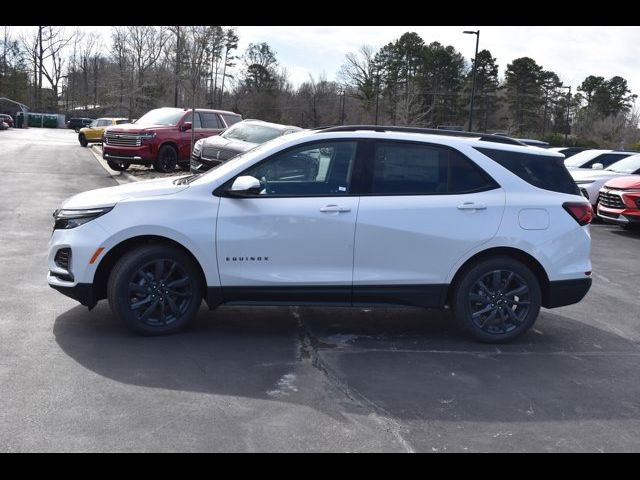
(591,181)
(596,159)
(356,215)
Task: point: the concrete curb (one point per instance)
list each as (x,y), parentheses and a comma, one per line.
(120,177)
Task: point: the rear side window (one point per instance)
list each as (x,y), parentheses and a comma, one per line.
(413,169)
(542,171)
(211,120)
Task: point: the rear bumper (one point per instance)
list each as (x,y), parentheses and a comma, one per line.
(566,292)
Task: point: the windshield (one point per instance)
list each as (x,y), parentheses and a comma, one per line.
(93,124)
(628,165)
(581,158)
(248,132)
(161,116)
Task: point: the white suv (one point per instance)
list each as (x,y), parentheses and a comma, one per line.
(355,215)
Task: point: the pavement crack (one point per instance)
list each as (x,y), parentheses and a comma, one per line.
(309,351)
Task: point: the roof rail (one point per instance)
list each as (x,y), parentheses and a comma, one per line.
(431,131)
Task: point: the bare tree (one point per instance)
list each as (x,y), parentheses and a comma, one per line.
(359,72)
(145,44)
(54,40)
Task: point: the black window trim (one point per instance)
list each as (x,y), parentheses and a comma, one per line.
(368,179)
(221,190)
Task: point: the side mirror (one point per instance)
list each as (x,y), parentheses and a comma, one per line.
(597,166)
(186,126)
(243,186)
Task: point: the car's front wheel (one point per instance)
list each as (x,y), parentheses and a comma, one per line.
(167,159)
(83,140)
(497,299)
(155,290)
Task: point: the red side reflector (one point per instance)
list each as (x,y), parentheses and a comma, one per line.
(581,212)
(96,255)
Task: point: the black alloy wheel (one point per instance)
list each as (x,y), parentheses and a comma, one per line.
(160,292)
(167,159)
(496,299)
(499,302)
(156,289)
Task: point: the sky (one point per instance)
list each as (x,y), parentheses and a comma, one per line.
(572,53)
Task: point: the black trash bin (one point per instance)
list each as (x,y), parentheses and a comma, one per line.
(19,119)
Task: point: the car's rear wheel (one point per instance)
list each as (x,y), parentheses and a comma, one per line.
(83,140)
(497,299)
(155,290)
(118,167)
(167,159)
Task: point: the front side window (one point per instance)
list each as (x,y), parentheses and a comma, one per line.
(607,159)
(317,169)
(195,124)
(413,169)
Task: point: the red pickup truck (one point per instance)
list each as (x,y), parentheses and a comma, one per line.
(162,137)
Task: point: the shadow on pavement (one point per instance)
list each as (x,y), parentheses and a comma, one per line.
(411,364)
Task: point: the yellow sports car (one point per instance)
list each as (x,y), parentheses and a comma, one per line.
(93,133)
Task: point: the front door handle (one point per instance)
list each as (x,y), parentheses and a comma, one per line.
(472,206)
(334,209)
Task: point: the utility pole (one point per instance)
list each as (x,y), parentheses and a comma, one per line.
(177,69)
(475,69)
(342,112)
(566,132)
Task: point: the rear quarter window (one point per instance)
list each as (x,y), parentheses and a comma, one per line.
(542,171)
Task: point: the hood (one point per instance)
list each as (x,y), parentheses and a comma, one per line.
(139,127)
(589,174)
(107,197)
(625,183)
(218,141)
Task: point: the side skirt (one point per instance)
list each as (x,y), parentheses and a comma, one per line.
(427,296)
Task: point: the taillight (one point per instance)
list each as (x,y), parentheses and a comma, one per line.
(581,212)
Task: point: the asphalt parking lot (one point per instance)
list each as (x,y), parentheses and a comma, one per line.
(296,379)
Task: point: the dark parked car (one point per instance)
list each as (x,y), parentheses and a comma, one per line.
(212,151)
(78,123)
(569,151)
(8,119)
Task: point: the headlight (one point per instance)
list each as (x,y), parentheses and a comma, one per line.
(197,147)
(66,219)
(148,136)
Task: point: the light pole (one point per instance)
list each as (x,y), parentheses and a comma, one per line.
(566,132)
(475,68)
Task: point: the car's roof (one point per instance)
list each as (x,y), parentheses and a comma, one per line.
(177,109)
(112,118)
(452,139)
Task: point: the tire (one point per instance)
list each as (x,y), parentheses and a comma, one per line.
(83,140)
(488,319)
(117,166)
(185,167)
(136,280)
(167,159)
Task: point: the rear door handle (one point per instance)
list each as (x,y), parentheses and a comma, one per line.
(472,206)
(334,209)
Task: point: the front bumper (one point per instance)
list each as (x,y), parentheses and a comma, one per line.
(566,292)
(142,155)
(81,292)
(619,216)
(200,165)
